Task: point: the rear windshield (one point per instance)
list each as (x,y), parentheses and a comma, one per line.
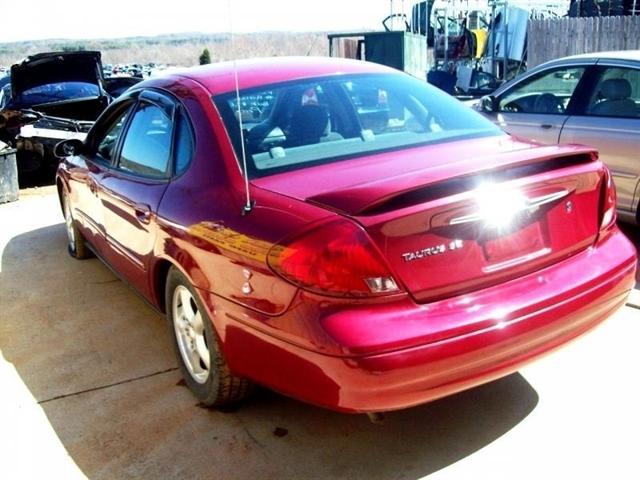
(57,92)
(298,124)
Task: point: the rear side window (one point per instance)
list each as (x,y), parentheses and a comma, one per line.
(184,144)
(302,123)
(147,144)
(617,94)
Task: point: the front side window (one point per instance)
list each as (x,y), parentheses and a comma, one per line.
(548,92)
(302,123)
(617,94)
(147,144)
(106,146)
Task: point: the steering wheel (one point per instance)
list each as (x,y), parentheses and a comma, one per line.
(513,107)
(547,103)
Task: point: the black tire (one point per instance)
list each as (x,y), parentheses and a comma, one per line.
(76,244)
(221,388)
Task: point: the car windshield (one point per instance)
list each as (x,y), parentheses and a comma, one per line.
(57,92)
(302,123)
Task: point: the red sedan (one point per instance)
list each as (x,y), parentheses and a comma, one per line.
(341,232)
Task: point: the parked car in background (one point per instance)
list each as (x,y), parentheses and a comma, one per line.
(62,94)
(384,246)
(591,99)
(5,90)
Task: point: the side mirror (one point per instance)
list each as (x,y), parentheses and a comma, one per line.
(488,104)
(68,148)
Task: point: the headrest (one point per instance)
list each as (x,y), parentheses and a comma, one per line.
(308,124)
(317,115)
(615,89)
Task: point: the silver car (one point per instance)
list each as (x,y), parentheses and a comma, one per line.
(592,99)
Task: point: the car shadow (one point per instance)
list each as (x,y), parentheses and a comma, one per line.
(97,359)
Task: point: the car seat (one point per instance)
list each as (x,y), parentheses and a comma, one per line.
(616,101)
(308,124)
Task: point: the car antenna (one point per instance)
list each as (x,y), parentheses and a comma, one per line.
(248,206)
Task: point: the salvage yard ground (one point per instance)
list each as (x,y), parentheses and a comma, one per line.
(90,388)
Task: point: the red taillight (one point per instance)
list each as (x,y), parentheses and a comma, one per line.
(336,258)
(608,201)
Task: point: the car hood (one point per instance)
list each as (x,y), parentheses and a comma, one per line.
(55,67)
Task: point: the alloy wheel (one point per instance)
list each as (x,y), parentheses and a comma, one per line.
(190,334)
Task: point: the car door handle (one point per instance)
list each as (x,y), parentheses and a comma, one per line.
(546,126)
(143,213)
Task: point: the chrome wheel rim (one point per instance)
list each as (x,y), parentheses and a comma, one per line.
(190,336)
(68,219)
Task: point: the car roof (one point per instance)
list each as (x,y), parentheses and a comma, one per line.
(219,78)
(584,58)
(613,55)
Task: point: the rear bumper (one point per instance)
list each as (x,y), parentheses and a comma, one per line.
(469,340)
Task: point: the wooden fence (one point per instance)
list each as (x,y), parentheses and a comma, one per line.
(554,38)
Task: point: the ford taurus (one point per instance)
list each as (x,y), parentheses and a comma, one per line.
(341,232)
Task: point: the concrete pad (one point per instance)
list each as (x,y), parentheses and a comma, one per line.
(74,318)
(587,419)
(29,445)
(152,429)
(90,389)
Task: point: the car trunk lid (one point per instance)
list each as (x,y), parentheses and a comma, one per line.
(452,227)
(492,233)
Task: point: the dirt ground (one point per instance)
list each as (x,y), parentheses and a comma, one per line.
(90,389)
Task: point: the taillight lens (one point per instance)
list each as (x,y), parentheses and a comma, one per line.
(336,259)
(608,201)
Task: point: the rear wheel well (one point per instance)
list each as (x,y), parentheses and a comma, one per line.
(60,191)
(160,282)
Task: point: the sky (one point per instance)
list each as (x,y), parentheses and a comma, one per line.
(44,19)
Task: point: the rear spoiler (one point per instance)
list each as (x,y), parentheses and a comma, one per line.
(456,177)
